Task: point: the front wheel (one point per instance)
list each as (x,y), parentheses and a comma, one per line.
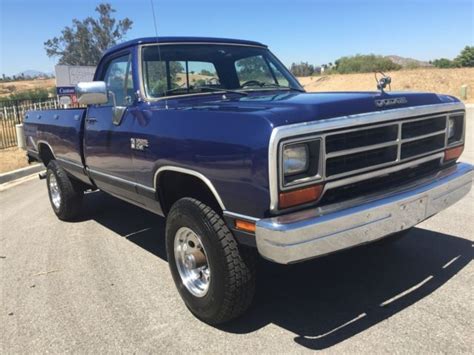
(214,276)
(65,194)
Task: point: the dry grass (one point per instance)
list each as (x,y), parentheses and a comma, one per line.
(24,85)
(441,81)
(11,159)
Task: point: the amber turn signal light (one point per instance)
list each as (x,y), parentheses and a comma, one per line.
(453,153)
(300,196)
(245,226)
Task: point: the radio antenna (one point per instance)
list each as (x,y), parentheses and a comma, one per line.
(157,41)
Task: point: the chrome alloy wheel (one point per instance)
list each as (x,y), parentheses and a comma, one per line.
(191,261)
(54,191)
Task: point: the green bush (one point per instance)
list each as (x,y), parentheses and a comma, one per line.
(365,64)
(33,94)
(443,63)
(464,59)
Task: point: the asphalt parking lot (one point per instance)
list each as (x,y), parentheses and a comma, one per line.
(102,285)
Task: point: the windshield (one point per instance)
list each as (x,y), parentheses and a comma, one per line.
(183,69)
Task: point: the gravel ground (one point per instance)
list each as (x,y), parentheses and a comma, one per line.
(102,285)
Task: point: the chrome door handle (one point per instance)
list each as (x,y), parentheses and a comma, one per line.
(91,120)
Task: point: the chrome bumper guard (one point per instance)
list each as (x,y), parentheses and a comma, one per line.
(311,233)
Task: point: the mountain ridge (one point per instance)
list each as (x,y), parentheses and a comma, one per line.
(407,62)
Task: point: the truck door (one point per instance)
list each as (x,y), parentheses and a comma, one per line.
(107,132)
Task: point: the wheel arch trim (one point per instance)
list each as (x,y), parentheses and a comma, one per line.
(39,143)
(42,143)
(194,173)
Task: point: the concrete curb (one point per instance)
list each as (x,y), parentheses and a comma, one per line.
(16,174)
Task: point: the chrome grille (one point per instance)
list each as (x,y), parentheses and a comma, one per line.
(331,129)
(366,148)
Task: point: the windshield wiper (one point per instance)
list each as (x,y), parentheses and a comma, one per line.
(262,84)
(194,89)
(268,85)
(210,88)
(170,91)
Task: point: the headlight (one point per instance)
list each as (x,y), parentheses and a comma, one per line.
(300,162)
(295,159)
(451,127)
(455,128)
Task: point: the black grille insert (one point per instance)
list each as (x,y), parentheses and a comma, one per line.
(422,127)
(356,161)
(422,146)
(379,184)
(361,138)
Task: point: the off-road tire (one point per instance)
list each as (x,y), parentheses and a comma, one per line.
(232,284)
(71,193)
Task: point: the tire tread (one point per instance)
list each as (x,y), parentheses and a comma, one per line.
(71,193)
(240,262)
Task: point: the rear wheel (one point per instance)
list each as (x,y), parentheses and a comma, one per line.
(65,194)
(214,276)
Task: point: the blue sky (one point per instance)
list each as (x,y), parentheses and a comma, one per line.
(296,30)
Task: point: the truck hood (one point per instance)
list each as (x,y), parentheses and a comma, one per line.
(282,108)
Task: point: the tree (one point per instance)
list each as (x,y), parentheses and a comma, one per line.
(157,76)
(252,68)
(85,41)
(466,57)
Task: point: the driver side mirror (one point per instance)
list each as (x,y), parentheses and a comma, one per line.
(92,93)
(95,93)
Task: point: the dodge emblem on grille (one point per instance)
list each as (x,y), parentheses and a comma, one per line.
(391,102)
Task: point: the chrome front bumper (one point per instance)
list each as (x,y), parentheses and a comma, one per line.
(312,233)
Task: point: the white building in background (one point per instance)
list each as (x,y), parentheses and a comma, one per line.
(67,76)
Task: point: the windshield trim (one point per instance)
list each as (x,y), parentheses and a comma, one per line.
(144,95)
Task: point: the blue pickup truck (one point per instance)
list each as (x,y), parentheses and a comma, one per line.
(217,136)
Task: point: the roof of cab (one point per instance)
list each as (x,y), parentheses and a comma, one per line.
(146,40)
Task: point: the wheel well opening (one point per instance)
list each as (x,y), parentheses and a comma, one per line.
(45,153)
(174,185)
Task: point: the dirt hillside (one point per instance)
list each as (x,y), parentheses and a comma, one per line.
(24,85)
(443,81)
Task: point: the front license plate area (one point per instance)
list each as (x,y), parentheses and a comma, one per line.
(412,212)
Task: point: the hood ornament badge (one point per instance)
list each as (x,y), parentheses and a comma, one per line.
(391,102)
(382,83)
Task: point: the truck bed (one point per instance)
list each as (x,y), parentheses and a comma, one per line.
(60,131)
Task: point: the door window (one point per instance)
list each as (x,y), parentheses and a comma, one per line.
(118,78)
